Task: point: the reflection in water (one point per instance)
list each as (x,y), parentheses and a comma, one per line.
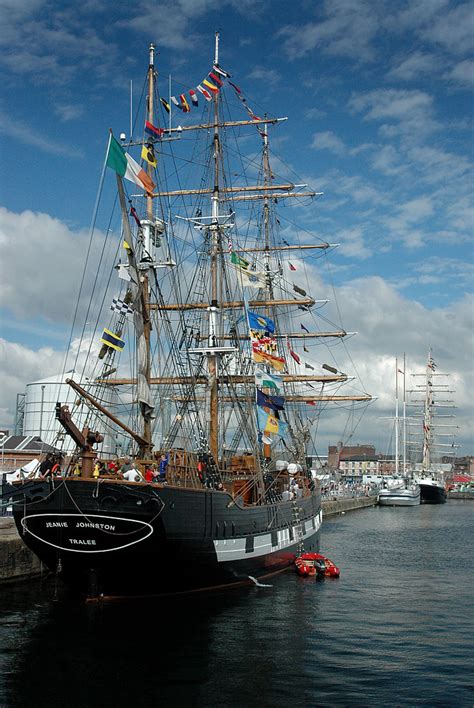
(396,628)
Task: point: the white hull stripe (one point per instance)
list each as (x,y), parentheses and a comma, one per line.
(233,549)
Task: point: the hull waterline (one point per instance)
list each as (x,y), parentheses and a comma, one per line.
(399,497)
(432,493)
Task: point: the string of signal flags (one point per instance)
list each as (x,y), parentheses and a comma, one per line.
(209,87)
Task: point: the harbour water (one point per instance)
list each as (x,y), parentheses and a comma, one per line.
(396,629)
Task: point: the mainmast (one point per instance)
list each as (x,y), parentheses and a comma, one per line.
(266,227)
(214,304)
(397,421)
(427,433)
(404,439)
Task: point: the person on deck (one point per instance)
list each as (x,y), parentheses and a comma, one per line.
(112,468)
(127,466)
(56,468)
(98,469)
(133,475)
(46,467)
(163,468)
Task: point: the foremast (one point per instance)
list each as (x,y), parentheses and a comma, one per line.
(138,292)
(146,448)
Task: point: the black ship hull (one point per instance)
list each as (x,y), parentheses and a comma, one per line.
(432,493)
(116,539)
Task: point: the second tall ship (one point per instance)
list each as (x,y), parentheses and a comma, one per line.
(431,477)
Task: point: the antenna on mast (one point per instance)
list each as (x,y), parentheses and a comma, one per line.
(216,52)
(131,110)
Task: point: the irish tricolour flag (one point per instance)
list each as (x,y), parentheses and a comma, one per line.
(125,166)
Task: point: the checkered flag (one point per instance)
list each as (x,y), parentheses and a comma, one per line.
(121,307)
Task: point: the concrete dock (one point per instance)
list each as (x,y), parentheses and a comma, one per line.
(17,562)
(339,506)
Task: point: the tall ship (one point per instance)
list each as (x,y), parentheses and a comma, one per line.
(435,438)
(196,383)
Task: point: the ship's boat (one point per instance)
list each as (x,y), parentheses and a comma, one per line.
(196,390)
(310,564)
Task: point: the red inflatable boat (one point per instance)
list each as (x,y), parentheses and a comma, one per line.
(316,564)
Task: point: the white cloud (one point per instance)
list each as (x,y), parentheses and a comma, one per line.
(358,189)
(388,160)
(42,256)
(52,45)
(314,113)
(346,29)
(406,216)
(381,104)
(390,324)
(173,21)
(416,209)
(407,114)
(417,14)
(462,74)
(353,243)
(21,365)
(24,133)
(328,141)
(415,66)
(453,30)
(67,112)
(438,165)
(270,76)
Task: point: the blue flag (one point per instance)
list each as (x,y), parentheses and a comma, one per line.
(275,403)
(260,322)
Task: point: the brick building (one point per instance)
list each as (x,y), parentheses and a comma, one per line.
(339,452)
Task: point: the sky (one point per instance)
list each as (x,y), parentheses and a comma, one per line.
(379,100)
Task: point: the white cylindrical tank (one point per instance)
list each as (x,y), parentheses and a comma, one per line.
(39,419)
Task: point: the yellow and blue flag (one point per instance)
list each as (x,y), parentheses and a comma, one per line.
(260,322)
(112,340)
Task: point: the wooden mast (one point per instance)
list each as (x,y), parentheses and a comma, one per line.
(266,227)
(214,304)
(146,448)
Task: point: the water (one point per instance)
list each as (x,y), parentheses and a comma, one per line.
(397,628)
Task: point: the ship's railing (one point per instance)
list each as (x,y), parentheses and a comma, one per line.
(239,478)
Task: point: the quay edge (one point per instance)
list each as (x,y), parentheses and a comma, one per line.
(17,562)
(337,506)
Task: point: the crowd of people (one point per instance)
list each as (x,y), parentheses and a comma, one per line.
(53,466)
(344,489)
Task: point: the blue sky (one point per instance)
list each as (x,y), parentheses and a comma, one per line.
(379,97)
